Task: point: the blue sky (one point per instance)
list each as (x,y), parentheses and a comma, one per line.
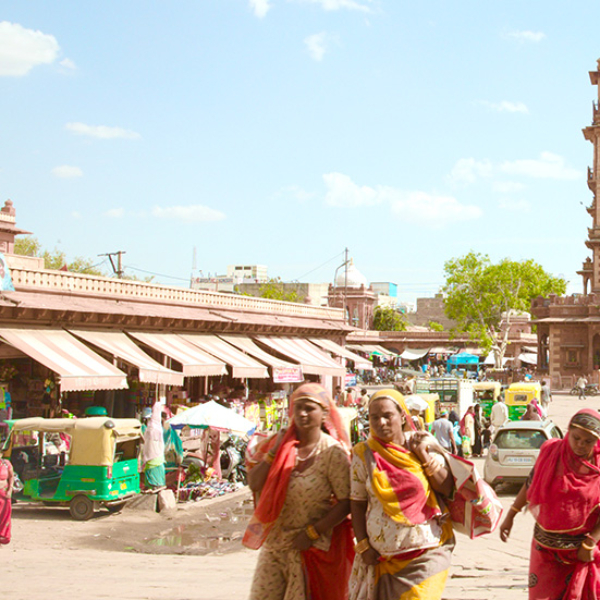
(279,132)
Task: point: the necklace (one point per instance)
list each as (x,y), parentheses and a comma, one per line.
(299,459)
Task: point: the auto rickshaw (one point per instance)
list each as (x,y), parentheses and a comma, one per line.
(83,463)
(518,395)
(486,394)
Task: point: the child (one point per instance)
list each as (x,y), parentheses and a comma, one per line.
(486,435)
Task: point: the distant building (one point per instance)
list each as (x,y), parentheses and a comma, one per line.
(248,273)
(428,310)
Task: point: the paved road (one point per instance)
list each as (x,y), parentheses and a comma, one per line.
(47,559)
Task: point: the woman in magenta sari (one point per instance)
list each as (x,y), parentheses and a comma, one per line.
(563,492)
(6,489)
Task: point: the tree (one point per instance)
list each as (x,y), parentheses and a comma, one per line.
(275,289)
(435,326)
(385,318)
(483,297)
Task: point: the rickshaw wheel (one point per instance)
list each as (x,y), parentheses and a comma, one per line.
(81,508)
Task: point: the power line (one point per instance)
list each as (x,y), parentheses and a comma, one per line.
(320,267)
(156,274)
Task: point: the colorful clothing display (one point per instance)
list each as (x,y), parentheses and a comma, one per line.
(564,498)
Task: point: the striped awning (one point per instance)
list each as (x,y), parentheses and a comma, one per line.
(78,367)
(334,348)
(241,364)
(195,362)
(118,344)
(312,359)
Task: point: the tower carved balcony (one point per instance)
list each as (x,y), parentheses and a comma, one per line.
(596,114)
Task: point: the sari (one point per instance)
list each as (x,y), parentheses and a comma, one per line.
(5,503)
(405,524)
(289,501)
(564,498)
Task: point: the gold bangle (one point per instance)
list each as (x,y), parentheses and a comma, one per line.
(584,545)
(362,546)
(517,510)
(312,533)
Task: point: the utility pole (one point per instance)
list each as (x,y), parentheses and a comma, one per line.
(118,270)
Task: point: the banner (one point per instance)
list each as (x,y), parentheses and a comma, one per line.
(287,374)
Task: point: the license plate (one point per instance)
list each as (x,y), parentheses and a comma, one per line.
(518,460)
(123,486)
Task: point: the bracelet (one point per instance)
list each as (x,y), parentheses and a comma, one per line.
(269,457)
(591,537)
(312,533)
(516,510)
(362,546)
(584,545)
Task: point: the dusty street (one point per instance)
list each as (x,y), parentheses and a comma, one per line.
(195,552)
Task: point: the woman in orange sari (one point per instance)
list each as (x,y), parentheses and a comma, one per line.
(6,489)
(300,522)
(404,541)
(563,492)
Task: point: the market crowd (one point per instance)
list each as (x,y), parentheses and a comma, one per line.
(372,522)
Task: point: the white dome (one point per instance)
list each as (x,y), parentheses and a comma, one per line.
(353,278)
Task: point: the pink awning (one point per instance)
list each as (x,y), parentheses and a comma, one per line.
(195,362)
(312,359)
(241,364)
(79,367)
(118,344)
(334,348)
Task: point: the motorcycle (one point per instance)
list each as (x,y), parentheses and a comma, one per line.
(233,451)
(591,389)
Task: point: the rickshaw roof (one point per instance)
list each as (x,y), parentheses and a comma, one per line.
(525,386)
(487,385)
(119,426)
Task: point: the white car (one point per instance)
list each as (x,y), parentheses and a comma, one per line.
(515,449)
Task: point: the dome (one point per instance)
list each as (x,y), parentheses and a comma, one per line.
(351,278)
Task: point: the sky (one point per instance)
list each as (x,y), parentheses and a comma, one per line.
(280,132)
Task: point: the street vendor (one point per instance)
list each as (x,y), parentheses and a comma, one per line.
(154,450)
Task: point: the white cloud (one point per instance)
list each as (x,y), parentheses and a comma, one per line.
(102,132)
(260,8)
(193,213)
(506,106)
(548,166)
(67,172)
(67,63)
(467,170)
(527,36)
(507,187)
(76,214)
(514,205)
(22,49)
(297,193)
(115,213)
(341,4)
(410,206)
(316,45)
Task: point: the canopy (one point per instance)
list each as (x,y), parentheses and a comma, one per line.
(241,364)
(194,361)
(212,414)
(79,367)
(312,359)
(333,348)
(414,354)
(372,349)
(489,360)
(415,401)
(463,358)
(118,344)
(529,358)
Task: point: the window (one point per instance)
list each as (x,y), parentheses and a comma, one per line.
(520,439)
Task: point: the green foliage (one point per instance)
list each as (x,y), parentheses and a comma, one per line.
(275,289)
(435,326)
(27,246)
(385,318)
(482,297)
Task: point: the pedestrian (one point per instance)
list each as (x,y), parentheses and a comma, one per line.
(467,430)
(546,396)
(443,431)
(364,398)
(486,435)
(154,450)
(455,421)
(7,481)
(499,414)
(478,427)
(417,419)
(581,383)
(563,493)
(531,414)
(304,537)
(403,547)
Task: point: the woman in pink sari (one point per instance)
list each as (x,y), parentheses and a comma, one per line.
(563,492)
(6,489)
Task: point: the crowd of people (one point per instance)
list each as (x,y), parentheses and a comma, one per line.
(309,485)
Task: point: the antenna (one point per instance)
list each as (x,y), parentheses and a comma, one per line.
(194,259)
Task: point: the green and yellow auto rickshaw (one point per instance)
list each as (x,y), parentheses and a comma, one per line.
(486,394)
(518,395)
(83,463)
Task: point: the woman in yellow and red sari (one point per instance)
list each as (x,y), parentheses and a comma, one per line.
(563,492)
(300,522)
(404,542)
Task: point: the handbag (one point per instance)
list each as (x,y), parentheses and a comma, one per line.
(474,508)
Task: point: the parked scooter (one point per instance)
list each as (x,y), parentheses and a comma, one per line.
(233,451)
(591,389)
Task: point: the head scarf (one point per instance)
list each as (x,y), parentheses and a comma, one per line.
(562,497)
(537,407)
(397,398)
(274,490)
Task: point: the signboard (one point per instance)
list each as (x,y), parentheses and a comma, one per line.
(350,380)
(6,284)
(287,374)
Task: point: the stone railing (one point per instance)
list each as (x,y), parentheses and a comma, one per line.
(575,300)
(29,280)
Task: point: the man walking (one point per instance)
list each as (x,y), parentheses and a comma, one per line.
(581,383)
(546,396)
(443,431)
(499,414)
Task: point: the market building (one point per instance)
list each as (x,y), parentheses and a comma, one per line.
(568,327)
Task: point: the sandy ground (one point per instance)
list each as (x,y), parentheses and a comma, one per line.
(195,551)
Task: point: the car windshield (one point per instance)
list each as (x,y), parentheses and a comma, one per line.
(520,439)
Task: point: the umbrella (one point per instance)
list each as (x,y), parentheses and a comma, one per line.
(416,402)
(212,414)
